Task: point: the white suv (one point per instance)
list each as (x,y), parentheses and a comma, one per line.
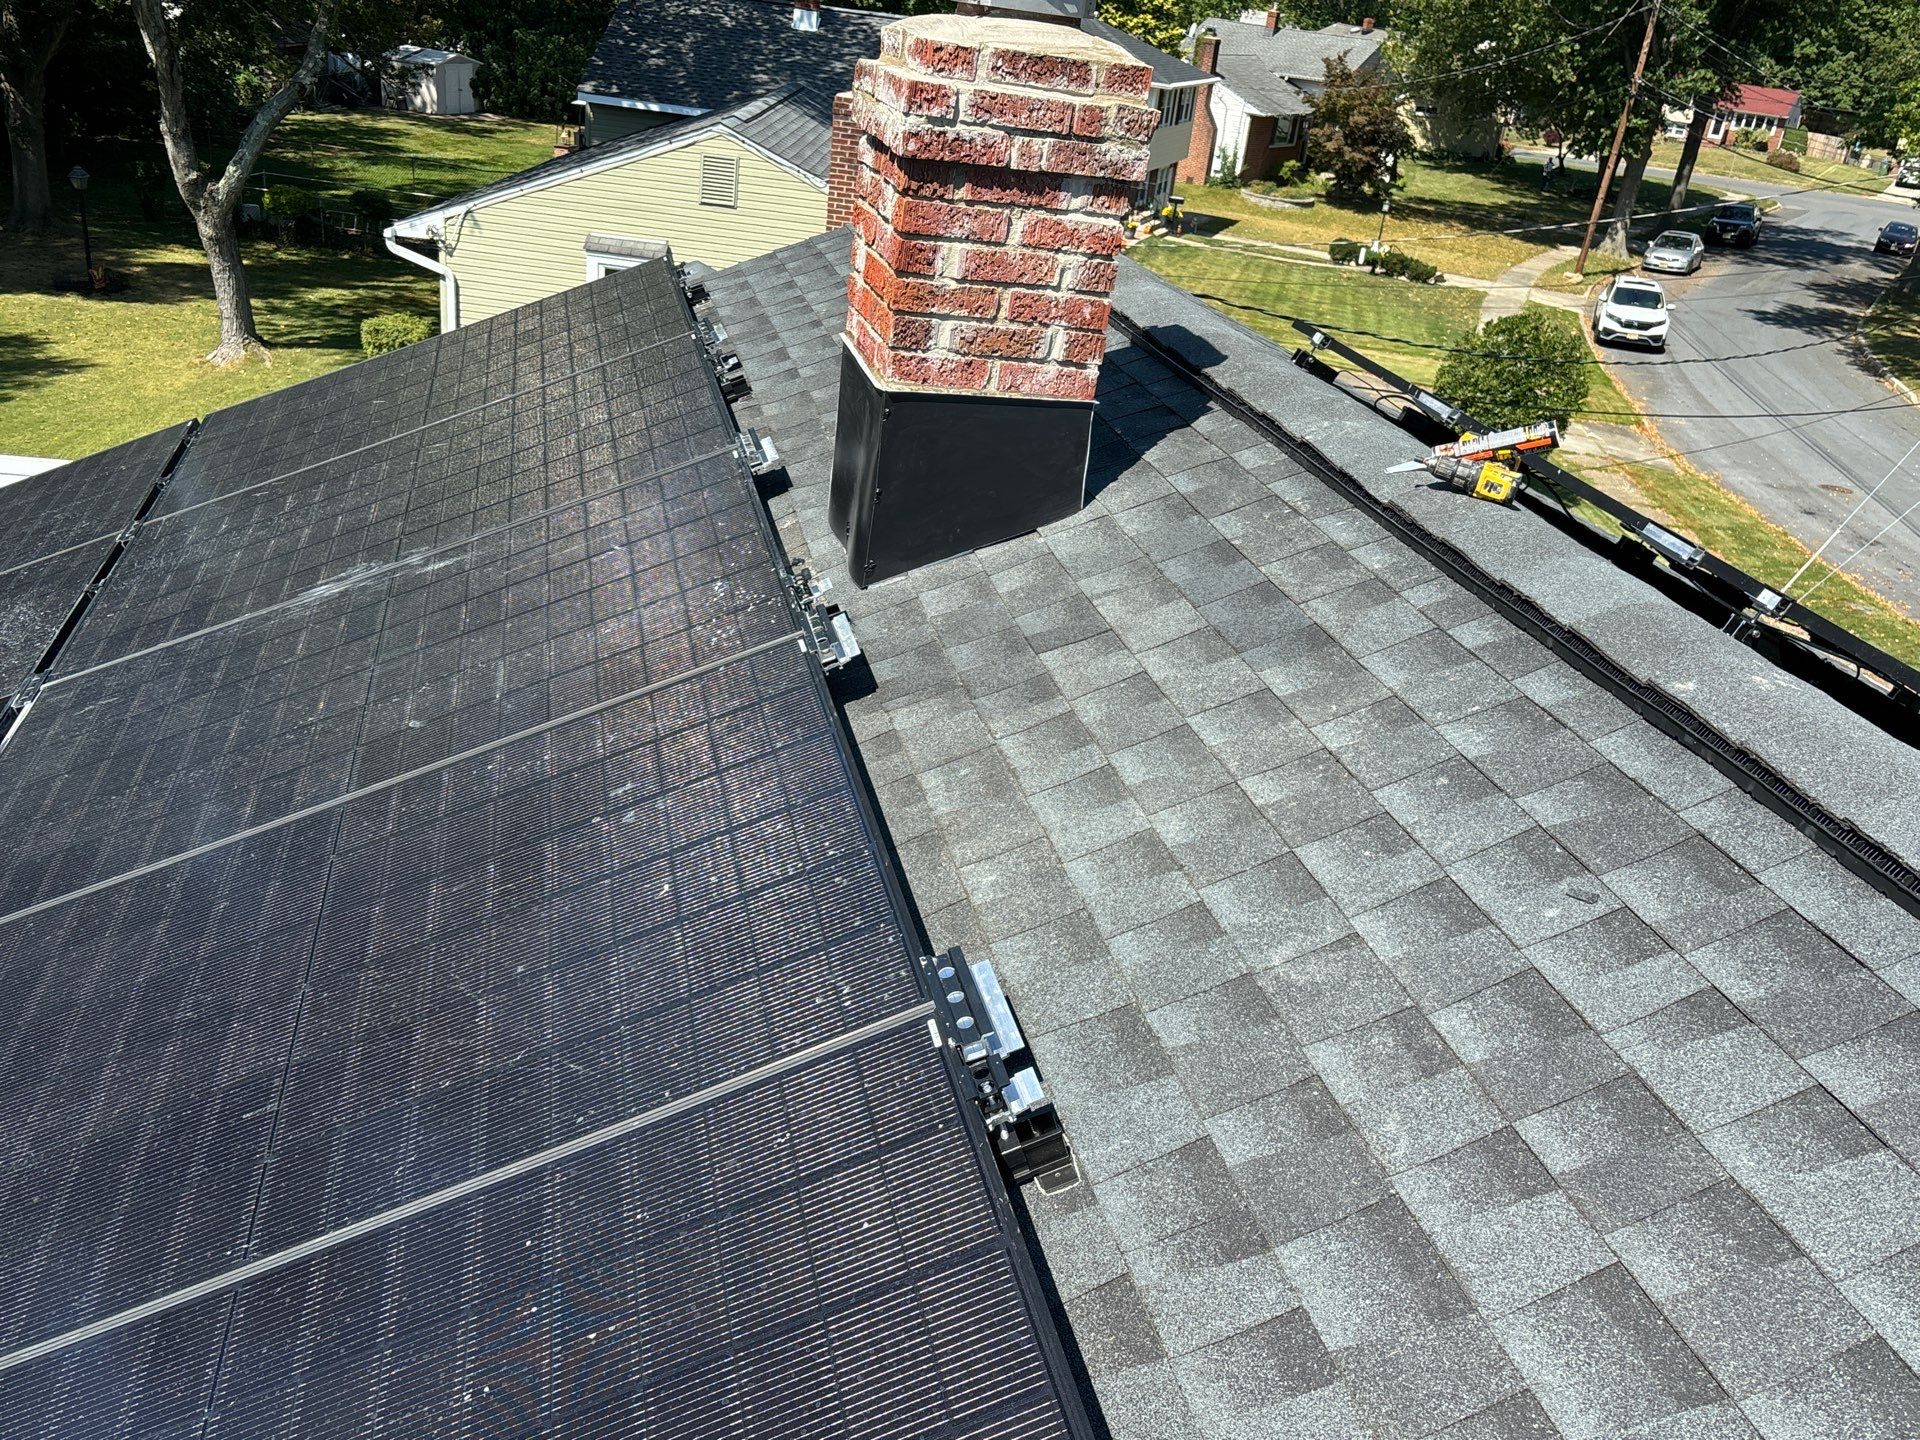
(1631,311)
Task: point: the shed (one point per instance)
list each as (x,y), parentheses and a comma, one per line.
(430,82)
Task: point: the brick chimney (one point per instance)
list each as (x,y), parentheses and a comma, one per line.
(843,162)
(1273,21)
(1366,26)
(996,159)
(1194,168)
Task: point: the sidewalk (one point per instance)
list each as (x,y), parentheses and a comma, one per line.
(1509,291)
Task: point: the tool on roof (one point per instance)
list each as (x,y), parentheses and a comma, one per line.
(1480,464)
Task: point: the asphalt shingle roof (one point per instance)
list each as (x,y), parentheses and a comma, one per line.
(707,54)
(1261,68)
(1448,1052)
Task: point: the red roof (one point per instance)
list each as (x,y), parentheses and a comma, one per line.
(1762,100)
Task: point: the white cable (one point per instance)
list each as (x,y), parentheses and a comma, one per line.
(1848,518)
(1801,599)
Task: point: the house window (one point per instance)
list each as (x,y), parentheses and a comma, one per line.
(720,181)
(1180,106)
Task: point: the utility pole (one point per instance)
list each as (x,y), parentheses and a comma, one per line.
(1619,135)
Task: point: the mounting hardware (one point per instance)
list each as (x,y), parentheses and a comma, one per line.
(726,365)
(1769,601)
(1677,551)
(757,453)
(694,290)
(978,1023)
(829,632)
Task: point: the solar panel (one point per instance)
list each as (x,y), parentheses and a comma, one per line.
(35,601)
(458,987)
(86,500)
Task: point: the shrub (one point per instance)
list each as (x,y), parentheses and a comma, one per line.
(1290,173)
(1405,267)
(1345,252)
(1357,127)
(1517,370)
(1758,139)
(380,334)
(1794,140)
(1784,160)
(374,207)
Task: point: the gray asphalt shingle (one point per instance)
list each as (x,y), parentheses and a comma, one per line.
(1447,1051)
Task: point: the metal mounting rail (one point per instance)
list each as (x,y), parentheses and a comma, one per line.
(1853,848)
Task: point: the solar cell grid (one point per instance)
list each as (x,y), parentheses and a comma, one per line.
(244,552)
(35,602)
(478,365)
(85,500)
(668,1283)
(182,746)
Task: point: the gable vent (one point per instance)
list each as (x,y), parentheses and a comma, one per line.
(720,180)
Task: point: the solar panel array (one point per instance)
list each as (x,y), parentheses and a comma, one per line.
(454,986)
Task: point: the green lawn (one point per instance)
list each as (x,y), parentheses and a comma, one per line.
(79,373)
(1266,293)
(1892,328)
(1732,163)
(1448,213)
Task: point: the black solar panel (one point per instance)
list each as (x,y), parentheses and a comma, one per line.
(770,1264)
(35,601)
(88,499)
(382,828)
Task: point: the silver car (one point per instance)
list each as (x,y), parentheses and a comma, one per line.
(1677,252)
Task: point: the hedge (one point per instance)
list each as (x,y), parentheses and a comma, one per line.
(1794,140)
(1405,267)
(1345,252)
(1784,160)
(380,334)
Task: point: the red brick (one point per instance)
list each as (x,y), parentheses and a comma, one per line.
(1059,382)
(1106,201)
(961,145)
(1018,111)
(1083,347)
(923,297)
(947,371)
(1043,72)
(908,93)
(1005,267)
(933,57)
(1014,187)
(949,222)
(1000,342)
(1082,236)
(1125,80)
(1034,308)
(907,257)
(1090,277)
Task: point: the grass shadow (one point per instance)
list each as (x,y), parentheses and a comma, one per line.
(26,362)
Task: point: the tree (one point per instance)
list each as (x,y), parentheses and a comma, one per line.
(30,34)
(1356,134)
(237,29)
(1518,370)
(1161,23)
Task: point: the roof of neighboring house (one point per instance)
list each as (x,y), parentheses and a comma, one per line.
(1167,69)
(450,965)
(1263,68)
(1448,1050)
(1765,100)
(793,125)
(697,55)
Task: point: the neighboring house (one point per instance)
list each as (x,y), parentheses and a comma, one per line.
(1269,74)
(661,60)
(1764,108)
(430,82)
(715,188)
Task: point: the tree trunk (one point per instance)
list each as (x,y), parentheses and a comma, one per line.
(29,37)
(27,154)
(238,338)
(1689,156)
(1615,241)
(212,202)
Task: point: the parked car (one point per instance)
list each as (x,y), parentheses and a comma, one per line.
(1897,237)
(1678,252)
(1629,310)
(1734,225)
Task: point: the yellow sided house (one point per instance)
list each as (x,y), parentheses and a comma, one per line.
(716,188)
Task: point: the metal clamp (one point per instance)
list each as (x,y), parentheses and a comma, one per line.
(829,632)
(757,453)
(976,1021)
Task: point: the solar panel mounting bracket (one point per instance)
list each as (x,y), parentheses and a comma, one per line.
(727,368)
(829,632)
(977,1022)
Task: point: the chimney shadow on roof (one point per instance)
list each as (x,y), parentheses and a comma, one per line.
(1124,429)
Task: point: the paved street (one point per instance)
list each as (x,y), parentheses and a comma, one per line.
(1769,329)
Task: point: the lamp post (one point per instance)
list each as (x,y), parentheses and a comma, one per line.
(1380,236)
(78,178)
